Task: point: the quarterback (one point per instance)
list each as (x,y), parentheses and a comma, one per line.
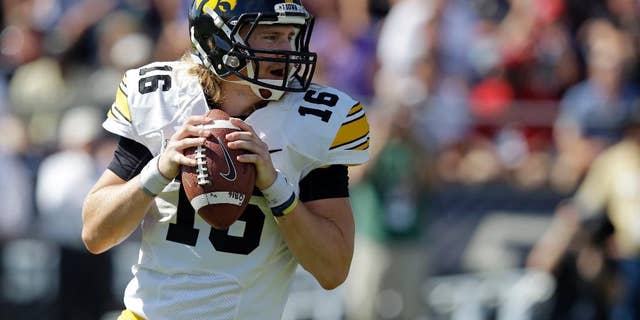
(252,60)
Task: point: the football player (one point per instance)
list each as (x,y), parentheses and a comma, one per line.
(251,59)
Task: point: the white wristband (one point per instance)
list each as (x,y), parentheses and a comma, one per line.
(280,196)
(151,180)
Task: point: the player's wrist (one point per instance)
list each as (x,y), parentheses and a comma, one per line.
(264,181)
(280,196)
(152,181)
(166,168)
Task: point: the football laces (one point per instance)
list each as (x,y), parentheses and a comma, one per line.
(203,174)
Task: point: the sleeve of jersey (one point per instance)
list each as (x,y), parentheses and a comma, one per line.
(328,126)
(119,115)
(351,143)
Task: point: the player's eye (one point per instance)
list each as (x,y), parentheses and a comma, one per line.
(270,38)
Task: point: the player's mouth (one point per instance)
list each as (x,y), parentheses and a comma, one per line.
(277,73)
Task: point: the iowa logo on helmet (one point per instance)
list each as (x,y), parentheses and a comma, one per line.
(222,5)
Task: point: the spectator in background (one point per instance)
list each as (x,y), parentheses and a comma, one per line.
(4,101)
(64,179)
(611,188)
(28,265)
(626,15)
(20,37)
(345,38)
(576,258)
(390,198)
(121,43)
(389,194)
(410,74)
(402,43)
(172,38)
(591,112)
(17,187)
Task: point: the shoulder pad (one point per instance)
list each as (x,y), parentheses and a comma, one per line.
(149,97)
(334,122)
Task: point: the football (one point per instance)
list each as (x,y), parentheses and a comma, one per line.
(220,186)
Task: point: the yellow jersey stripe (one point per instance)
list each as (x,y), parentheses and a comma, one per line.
(122,105)
(355,109)
(128,315)
(123,88)
(117,114)
(351,131)
(362,146)
(363,138)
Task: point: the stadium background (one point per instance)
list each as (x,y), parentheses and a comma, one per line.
(495,104)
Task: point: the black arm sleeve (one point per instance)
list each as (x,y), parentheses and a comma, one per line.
(325,183)
(129,159)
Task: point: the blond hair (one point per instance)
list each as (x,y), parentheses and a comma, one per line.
(210,82)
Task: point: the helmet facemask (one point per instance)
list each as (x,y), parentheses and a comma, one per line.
(224,48)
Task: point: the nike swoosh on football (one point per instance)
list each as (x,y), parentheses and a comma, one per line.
(231,174)
(274,150)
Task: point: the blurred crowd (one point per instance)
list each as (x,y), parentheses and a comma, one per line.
(524,94)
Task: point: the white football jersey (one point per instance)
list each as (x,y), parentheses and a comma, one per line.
(188,270)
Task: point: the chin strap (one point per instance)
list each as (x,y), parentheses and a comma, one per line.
(261,92)
(264,93)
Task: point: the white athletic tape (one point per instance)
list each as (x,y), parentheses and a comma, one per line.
(151,180)
(216,124)
(220,197)
(279,192)
(219,124)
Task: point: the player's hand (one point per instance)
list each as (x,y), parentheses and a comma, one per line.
(258,152)
(187,136)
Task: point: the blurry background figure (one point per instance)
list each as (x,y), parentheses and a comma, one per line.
(390,199)
(64,178)
(577,260)
(592,112)
(345,38)
(601,224)
(402,43)
(390,193)
(410,74)
(16,200)
(28,265)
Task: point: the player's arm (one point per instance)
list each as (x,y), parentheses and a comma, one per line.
(319,233)
(121,197)
(112,210)
(547,253)
(573,217)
